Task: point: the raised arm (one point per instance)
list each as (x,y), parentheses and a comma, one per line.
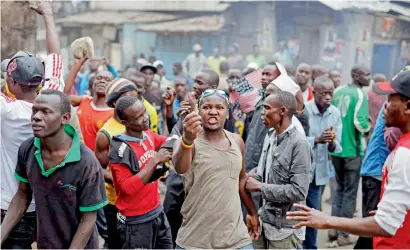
(184,149)
(17,209)
(44,8)
(75,99)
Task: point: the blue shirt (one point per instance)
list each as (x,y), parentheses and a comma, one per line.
(175,107)
(318,123)
(377,150)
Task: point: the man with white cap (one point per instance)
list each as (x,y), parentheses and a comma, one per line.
(195,62)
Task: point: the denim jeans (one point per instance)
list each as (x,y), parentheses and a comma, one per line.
(347,176)
(313,200)
(371,188)
(22,235)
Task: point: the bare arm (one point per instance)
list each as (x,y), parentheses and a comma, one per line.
(53,41)
(17,209)
(75,100)
(246,197)
(84,231)
(44,8)
(192,125)
(102,148)
(367,227)
(182,157)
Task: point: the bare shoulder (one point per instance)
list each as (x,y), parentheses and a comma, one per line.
(238,140)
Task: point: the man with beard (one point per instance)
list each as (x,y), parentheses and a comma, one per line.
(134,165)
(62,174)
(92,112)
(390,226)
(282,175)
(352,103)
(211,160)
(302,78)
(324,136)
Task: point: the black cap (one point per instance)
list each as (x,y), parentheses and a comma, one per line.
(148,66)
(400,84)
(24,68)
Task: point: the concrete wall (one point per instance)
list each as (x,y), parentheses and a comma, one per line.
(250,23)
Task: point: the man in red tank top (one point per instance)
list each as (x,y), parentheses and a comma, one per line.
(92,112)
(390,226)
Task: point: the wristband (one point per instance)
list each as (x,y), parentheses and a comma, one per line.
(186,146)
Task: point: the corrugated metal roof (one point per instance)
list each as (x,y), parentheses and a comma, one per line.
(162,5)
(208,23)
(376,6)
(114,17)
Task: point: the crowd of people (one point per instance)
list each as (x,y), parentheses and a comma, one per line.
(244,147)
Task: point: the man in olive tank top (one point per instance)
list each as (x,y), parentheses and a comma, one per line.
(211,162)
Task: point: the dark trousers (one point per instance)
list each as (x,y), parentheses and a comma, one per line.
(371,188)
(102,224)
(152,234)
(347,176)
(113,240)
(313,200)
(22,235)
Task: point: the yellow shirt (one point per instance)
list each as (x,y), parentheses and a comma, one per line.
(153,116)
(214,63)
(111,128)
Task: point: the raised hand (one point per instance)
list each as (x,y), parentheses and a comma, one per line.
(42,7)
(184,108)
(169,96)
(193,102)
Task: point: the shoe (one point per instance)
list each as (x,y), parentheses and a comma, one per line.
(332,234)
(344,240)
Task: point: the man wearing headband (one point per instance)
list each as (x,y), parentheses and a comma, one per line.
(92,112)
(212,162)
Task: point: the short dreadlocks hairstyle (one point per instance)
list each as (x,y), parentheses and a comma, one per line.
(65,106)
(123,104)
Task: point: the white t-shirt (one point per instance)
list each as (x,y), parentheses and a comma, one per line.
(15,128)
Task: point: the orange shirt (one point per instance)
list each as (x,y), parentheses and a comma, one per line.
(91,120)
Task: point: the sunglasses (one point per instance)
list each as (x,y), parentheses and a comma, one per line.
(210,92)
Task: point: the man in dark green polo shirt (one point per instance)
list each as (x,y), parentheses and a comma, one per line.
(64,176)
